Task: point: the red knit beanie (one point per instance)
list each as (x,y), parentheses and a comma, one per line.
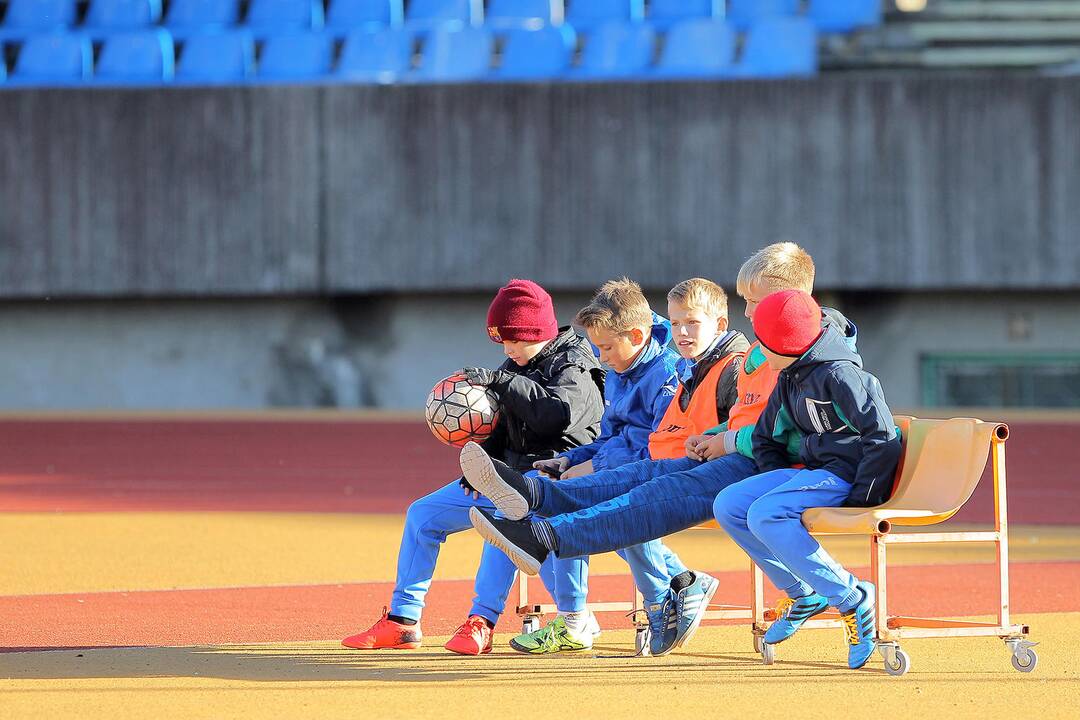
(522,311)
(787,322)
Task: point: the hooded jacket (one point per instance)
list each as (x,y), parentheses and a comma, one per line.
(839,411)
(636,400)
(550,405)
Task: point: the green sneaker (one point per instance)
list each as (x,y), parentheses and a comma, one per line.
(552,638)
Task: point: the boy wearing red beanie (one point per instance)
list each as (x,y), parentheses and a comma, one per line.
(550,392)
(850,449)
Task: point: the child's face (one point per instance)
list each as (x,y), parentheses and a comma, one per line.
(521,352)
(777,362)
(693,330)
(618,350)
(756,292)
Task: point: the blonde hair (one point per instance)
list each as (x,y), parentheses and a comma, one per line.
(618,306)
(700,294)
(783,265)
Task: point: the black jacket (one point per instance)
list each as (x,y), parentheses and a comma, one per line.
(840,411)
(551,405)
(726,391)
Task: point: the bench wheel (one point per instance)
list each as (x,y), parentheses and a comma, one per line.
(898,664)
(758,642)
(768,653)
(1024,658)
(641,642)
(530,624)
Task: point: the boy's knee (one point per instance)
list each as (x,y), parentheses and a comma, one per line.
(724,509)
(760,515)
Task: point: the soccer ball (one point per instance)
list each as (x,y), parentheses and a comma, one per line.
(458,412)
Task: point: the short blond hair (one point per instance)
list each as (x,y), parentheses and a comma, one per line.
(783,265)
(700,294)
(618,306)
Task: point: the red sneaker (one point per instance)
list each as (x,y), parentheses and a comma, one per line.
(386,634)
(472,638)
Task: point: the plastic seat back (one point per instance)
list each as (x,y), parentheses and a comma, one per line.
(844,16)
(780,47)
(138,57)
(587,15)
(424,15)
(39,15)
(296,56)
(58,57)
(122,14)
(536,54)
(364,14)
(455,55)
(201,15)
(665,13)
(618,49)
(505,14)
(698,47)
(227,57)
(744,14)
(284,15)
(376,55)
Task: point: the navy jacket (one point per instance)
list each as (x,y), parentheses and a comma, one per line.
(839,410)
(636,401)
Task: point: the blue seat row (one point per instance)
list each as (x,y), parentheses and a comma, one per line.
(778,47)
(187,16)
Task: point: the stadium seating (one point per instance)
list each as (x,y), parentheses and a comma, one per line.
(536,54)
(665,13)
(280,16)
(138,57)
(617,50)
(25,17)
(425,15)
(190,16)
(347,15)
(744,14)
(296,57)
(111,15)
(842,16)
(380,56)
(456,55)
(503,14)
(780,47)
(54,59)
(587,15)
(224,57)
(698,48)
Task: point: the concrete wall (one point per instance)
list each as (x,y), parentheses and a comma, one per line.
(386,351)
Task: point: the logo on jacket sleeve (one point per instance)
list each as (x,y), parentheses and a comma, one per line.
(493,333)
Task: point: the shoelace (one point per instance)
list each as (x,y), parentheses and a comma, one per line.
(471,627)
(783,607)
(851,626)
(549,640)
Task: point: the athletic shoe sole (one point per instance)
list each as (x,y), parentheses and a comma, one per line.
(525,562)
(478,469)
(702,607)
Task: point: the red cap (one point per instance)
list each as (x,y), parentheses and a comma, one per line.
(787,322)
(522,311)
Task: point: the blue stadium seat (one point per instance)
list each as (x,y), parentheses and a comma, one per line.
(376,56)
(698,48)
(743,14)
(425,15)
(456,55)
(277,16)
(53,59)
(844,16)
(665,13)
(617,49)
(587,15)
(3,64)
(346,15)
(780,47)
(505,14)
(226,57)
(140,58)
(189,16)
(25,17)
(298,56)
(122,14)
(536,54)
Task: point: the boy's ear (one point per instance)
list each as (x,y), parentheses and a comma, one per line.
(637,337)
(722,324)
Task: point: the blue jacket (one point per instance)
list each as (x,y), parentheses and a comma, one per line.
(839,411)
(635,402)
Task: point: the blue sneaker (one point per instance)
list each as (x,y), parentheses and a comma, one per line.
(691,604)
(859,625)
(663,624)
(791,614)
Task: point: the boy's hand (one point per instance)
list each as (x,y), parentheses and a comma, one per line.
(469,489)
(483,376)
(578,470)
(553,468)
(712,447)
(691,446)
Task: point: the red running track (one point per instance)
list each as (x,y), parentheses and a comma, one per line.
(355,466)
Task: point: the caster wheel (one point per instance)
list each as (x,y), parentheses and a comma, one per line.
(1025,660)
(641,642)
(768,653)
(758,642)
(899,664)
(530,625)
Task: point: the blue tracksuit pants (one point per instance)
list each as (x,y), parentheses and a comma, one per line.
(427,523)
(635,503)
(763,514)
